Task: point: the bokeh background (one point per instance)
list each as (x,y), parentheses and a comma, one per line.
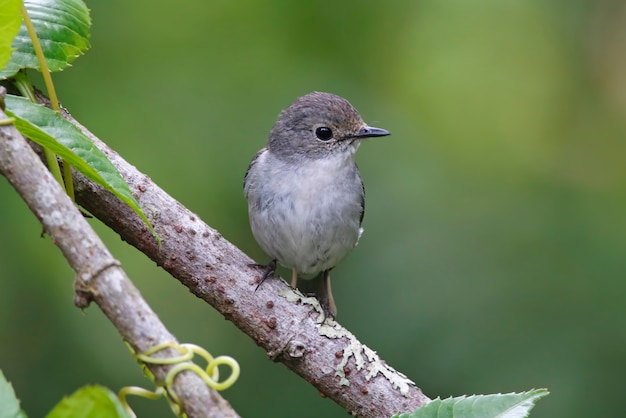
(494,257)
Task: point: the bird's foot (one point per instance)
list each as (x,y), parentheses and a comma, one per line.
(326,307)
(268,270)
(324,303)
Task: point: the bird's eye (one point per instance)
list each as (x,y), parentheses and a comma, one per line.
(324,133)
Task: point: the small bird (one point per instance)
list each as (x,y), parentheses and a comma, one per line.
(305,196)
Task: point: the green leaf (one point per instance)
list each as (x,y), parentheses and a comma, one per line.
(510,405)
(10,19)
(89,402)
(62,27)
(47,128)
(9,404)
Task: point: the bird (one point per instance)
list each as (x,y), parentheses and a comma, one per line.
(306,199)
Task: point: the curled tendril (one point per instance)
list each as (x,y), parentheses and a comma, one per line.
(210,374)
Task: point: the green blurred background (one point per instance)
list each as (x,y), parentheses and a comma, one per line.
(494,256)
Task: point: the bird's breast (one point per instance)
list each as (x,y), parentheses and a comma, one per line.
(306,215)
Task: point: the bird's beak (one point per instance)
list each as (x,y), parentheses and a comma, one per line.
(369,132)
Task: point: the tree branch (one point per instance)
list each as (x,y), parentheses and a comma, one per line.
(282,321)
(99,276)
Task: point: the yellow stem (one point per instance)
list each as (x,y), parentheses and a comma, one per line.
(54,104)
(23,85)
(67,179)
(47,78)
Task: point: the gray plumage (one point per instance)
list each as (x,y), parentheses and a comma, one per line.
(305,195)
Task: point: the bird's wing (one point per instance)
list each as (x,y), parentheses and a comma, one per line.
(362,202)
(254,160)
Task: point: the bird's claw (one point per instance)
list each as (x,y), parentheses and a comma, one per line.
(268,270)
